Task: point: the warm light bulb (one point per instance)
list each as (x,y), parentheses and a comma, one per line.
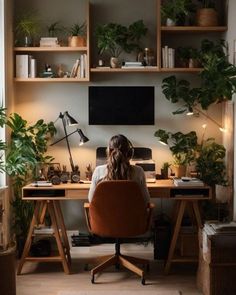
(162,142)
(189,113)
(204,126)
(222,129)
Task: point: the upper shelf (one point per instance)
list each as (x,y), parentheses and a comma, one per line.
(46,49)
(193,29)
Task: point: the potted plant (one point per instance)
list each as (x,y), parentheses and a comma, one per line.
(165,169)
(26,149)
(77,34)
(210,163)
(174,11)
(182,146)
(27,28)
(114,38)
(188,56)
(207,15)
(217,82)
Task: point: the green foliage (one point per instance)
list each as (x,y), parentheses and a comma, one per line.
(176,9)
(182,146)
(115,38)
(26,149)
(27,24)
(78,29)
(54,28)
(208,3)
(210,163)
(218,82)
(208,156)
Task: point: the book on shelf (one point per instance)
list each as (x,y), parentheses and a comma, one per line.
(168,57)
(79,69)
(22,66)
(188,182)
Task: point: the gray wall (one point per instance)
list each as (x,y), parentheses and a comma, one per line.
(43,100)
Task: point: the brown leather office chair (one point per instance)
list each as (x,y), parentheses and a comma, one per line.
(118,210)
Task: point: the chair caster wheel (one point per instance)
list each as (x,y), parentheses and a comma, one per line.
(143,281)
(92,279)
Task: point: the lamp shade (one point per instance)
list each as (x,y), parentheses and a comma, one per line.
(83,138)
(70,120)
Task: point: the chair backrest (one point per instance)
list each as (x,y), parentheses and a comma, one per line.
(118,209)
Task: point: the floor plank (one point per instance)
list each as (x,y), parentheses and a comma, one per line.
(49,278)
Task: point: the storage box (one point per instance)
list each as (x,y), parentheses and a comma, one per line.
(217,263)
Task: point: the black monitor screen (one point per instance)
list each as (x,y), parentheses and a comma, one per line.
(121,105)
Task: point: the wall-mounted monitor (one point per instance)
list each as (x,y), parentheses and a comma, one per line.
(121,105)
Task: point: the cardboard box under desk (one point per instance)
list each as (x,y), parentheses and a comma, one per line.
(217,264)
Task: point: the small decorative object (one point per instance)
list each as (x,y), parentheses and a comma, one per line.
(148,57)
(60,72)
(89,172)
(114,62)
(75,175)
(64,175)
(48,73)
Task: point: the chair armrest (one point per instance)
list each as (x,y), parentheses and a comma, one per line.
(86,211)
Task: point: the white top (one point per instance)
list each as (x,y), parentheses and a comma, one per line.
(137,176)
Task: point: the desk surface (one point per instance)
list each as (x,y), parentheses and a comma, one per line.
(79,191)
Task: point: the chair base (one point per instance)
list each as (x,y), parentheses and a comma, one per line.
(124,260)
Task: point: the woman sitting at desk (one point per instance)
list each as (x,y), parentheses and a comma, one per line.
(118,167)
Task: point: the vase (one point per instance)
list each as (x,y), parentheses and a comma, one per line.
(180,171)
(76,41)
(207,17)
(170,22)
(114,62)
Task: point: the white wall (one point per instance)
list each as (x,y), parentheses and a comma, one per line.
(43,100)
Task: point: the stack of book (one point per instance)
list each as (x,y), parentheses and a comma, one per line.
(168,57)
(80,240)
(79,68)
(133,65)
(188,181)
(48,42)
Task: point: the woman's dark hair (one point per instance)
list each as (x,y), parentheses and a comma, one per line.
(119,152)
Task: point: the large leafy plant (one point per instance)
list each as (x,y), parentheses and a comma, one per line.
(218,80)
(114,38)
(182,146)
(27,148)
(208,156)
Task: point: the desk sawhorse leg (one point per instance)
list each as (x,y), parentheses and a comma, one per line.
(59,232)
(180,212)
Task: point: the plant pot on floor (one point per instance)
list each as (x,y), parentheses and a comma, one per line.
(7,271)
(207,17)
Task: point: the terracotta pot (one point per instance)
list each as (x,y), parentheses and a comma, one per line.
(76,41)
(207,17)
(180,171)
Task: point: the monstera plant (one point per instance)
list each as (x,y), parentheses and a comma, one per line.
(27,148)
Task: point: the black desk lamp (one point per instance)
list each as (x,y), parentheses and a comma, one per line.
(68,120)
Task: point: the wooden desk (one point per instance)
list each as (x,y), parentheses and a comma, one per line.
(47,198)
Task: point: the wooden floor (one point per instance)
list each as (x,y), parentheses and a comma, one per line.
(49,278)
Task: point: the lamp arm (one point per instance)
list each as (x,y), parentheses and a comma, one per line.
(64,137)
(208,117)
(68,145)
